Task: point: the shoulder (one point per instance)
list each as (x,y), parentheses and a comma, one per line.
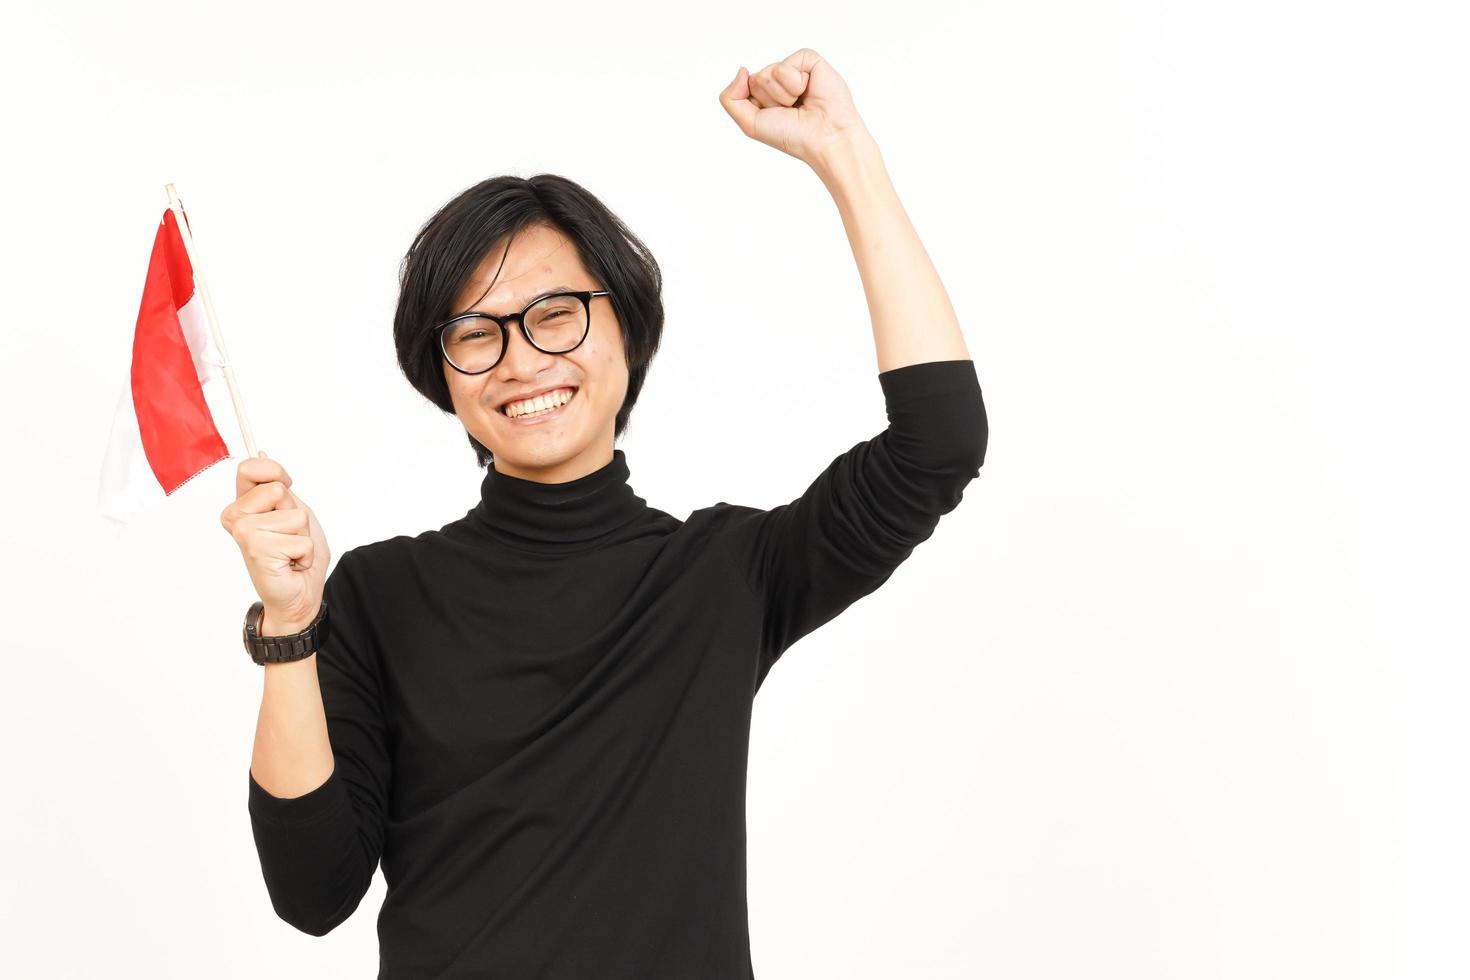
(722,517)
(732,529)
(380,562)
(376,553)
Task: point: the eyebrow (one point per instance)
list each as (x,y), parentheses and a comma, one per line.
(541,295)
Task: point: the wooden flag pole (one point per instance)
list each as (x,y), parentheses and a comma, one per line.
(219,339)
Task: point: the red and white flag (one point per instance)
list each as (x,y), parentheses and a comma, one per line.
(163,432)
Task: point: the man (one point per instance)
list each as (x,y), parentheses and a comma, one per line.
(537,716)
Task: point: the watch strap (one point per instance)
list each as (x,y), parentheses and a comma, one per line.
(288,647)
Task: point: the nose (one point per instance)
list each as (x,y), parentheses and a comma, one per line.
(522,361)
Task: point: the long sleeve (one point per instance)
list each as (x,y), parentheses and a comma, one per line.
(808,560)
(318,851)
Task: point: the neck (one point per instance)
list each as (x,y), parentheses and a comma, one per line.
(562,516)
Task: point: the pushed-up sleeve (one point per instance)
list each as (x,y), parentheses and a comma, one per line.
(808,560)
(318,851)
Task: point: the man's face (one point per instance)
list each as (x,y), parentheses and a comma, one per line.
(578,438)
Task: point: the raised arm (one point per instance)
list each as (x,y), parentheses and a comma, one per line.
(801,106)
(807,560)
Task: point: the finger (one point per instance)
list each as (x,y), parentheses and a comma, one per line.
(803,58)
(736,99)
(296,548)
(775,90)
(766,92)
(295,500)
(753,82)
(264,498)
(292,521)
(258,469)
(806,61)
(791,79)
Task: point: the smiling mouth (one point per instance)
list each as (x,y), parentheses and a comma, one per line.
(544,412)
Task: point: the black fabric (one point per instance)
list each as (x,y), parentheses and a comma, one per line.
(540,713)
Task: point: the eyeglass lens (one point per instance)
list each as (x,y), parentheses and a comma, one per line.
(556,323)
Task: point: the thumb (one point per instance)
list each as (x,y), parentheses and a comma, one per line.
(736,100)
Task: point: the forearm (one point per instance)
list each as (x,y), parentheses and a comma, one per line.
(316,799)
(913,319)
(292,754)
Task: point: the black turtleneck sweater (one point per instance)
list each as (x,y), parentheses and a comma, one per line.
(540,713)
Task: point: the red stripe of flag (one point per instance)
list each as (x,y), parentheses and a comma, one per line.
(178,433)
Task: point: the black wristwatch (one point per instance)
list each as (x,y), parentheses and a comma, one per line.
(281,649)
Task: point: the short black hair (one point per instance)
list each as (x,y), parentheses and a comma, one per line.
(454,242)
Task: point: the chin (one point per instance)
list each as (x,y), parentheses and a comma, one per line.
(536,456)
(536,451)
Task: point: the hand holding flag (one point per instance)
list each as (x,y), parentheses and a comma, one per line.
(284,547)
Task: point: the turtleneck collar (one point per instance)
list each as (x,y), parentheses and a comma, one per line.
(559,517)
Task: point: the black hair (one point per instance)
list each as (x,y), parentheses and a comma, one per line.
(454,242)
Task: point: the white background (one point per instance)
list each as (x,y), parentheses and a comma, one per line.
(1176,692)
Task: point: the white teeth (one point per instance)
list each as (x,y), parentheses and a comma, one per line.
(540,403)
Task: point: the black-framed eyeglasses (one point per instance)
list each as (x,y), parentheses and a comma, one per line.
(474,343)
